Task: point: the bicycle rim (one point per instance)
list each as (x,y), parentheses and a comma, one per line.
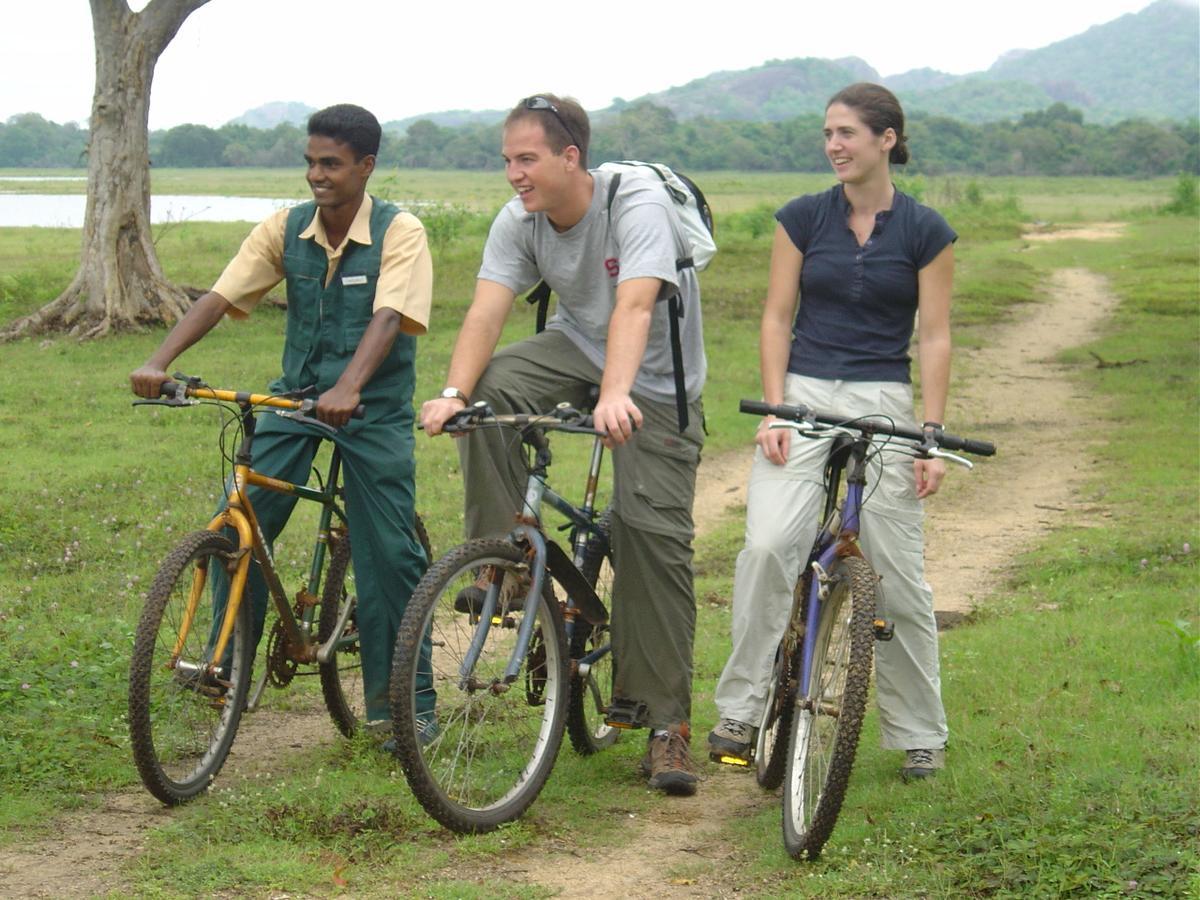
(181,720)
(828,720)
(475,752)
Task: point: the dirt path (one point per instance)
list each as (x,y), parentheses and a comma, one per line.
(1022,397)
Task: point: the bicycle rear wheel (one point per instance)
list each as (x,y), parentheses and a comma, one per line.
(827,721)
(476,751)
(590,695)
(775,729)
(341,676)
(182,720)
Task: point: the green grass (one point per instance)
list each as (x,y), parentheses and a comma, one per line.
(1072,699)
(1054,199)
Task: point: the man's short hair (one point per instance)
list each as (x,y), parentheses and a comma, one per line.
(350,124)
(562,119)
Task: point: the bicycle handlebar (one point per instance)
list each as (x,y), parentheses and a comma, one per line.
(304,405)
(563,417)
(867,424)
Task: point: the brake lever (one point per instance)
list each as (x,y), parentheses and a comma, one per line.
(297,416)
(938,453)
(173,401)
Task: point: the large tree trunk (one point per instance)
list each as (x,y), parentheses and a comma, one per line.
(120,284)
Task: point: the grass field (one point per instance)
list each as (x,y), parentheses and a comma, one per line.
(1076,732)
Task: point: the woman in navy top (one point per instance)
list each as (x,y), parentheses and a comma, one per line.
(851,268)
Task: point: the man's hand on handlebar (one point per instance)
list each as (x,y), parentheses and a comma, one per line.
(436,412)
(145,381)
(618,417)
(337,405)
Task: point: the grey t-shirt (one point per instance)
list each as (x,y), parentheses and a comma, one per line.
(584,264)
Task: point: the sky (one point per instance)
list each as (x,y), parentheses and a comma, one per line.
(401,59)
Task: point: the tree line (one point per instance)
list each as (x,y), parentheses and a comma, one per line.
(1053,141)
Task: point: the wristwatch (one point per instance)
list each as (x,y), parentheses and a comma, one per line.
(453,393)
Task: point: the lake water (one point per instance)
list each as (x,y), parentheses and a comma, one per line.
(66,210)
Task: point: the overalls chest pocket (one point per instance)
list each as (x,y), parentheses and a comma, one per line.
(305,282)
(356,284)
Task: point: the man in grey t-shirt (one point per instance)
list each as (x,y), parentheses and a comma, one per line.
(613,267)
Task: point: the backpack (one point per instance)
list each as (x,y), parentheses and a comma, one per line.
(695,216)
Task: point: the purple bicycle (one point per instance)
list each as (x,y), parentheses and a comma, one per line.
(818,691)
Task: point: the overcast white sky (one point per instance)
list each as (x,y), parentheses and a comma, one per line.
(430,55)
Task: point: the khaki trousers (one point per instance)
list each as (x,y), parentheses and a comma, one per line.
(783,507)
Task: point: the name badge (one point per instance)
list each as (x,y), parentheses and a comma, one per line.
(354,279)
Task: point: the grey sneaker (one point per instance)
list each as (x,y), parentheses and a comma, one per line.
(512,592)
(731,739)
(920,764)
(668,762)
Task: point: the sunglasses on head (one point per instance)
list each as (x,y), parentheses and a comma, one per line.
(541,103)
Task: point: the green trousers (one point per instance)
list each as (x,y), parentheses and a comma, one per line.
(654,480)
(377,473)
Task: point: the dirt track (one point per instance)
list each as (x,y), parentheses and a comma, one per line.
(1019,395)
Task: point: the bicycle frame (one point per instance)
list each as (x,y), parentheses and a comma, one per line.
(238,514)
(833,543)
(545,554)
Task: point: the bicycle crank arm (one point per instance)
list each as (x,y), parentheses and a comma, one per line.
(326,650)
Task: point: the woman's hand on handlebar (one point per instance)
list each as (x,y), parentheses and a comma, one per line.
(775,442)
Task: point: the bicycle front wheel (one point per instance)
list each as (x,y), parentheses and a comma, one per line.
(341,675)
(477,748)
(775,729)
(590,694)
(827,720)
(182,718)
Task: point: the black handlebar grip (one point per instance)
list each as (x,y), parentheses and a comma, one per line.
(167,389)
(979,448)
(755,407)
(360,411)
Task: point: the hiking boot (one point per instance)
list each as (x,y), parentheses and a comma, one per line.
(920,764)
(381,730)
(512,592)
(731,741)
(668,764)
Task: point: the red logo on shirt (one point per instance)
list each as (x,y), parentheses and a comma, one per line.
(613,265)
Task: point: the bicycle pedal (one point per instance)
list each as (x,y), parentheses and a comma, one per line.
(884,630)
(625,714)
(730,759)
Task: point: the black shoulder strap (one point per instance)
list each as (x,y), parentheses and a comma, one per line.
(674,314)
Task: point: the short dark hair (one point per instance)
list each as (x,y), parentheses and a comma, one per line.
(350,124)
(562,118)
(880,110)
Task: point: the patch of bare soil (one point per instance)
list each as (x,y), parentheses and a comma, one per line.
(1022,398)
(84,854)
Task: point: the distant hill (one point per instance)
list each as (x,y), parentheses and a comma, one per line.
(1141,65)
(451,118)
(1145,63)
(776,90)
(271,114)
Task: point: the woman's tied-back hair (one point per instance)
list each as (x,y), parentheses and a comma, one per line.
(350,124)
(880,110)
(563,120)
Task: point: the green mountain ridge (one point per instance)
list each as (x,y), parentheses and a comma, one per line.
(1140,65)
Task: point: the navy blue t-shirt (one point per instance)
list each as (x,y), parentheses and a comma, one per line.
(858,303)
